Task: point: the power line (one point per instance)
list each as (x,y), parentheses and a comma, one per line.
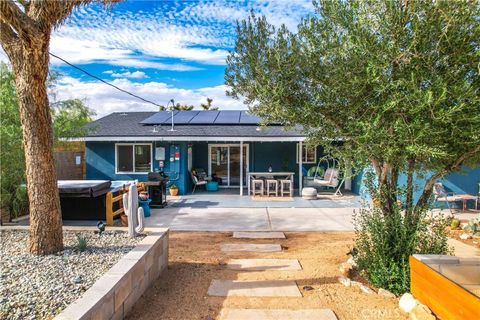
(101,80)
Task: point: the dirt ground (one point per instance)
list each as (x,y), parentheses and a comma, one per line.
(455,234)
(196,259)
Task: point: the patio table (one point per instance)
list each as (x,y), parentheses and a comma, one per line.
(253,175)
(464,198)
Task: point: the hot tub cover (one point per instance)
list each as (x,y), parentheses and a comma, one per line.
(83,188)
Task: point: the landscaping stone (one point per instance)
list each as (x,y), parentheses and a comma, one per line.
(386,293)
(366,289)
(254,288)
(465,236)
(345,281)
(352,262)
(259,235)
(250,247)
(277,314)
(263,264)
(407,302)
(421,312)
(39,287)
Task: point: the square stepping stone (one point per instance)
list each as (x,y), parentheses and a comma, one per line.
(263,264)
(250,247)
(277,314)
(259,235)
(254,288)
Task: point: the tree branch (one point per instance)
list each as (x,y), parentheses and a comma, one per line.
(11,14)
(8,39)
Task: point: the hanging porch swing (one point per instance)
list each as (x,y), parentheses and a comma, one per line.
(330,178)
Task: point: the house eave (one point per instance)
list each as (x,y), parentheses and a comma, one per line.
(190,138)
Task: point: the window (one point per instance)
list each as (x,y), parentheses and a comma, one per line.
(133,158)
(309,154)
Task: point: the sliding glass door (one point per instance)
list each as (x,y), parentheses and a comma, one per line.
(224,163)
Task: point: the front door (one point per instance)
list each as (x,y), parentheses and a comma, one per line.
(224,162)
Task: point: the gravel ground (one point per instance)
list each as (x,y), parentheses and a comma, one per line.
(39,287)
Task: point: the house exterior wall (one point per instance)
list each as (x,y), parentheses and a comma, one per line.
(467,181)
(100,161)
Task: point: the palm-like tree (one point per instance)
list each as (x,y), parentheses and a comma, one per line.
(25,30)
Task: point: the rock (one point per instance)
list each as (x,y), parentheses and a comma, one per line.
(407,302)
(77,279)
(465,236)
(351,261)
(345,269)
(345,281)
(222,263)
(385,293)
(307,288)
(366,289)
(421,312)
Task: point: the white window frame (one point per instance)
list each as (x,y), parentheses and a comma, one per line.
(305,147)
(133,155)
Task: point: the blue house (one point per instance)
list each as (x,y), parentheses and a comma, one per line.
(229,144)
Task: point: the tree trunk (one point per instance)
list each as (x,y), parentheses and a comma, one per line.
(31,69)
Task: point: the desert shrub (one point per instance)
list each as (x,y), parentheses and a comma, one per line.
(81,244)
(384,243)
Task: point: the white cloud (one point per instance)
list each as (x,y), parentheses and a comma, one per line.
(105,99)
(128,74)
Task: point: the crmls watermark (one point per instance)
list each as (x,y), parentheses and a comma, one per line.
(380,313)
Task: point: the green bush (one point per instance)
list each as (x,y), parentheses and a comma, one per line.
(385,241)
(20,202)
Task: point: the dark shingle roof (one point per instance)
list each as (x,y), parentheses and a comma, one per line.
(121,124)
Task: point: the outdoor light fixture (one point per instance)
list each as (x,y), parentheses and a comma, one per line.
(101,227)
(172,109)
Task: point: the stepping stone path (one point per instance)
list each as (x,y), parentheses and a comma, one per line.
(249,247)
(259,235)
(263,264)
(262,288)
(254,288)
(279,314)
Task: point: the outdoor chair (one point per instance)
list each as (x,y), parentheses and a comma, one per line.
(274,184)
(255,183)
(197,182)
(288,184)
(441,195)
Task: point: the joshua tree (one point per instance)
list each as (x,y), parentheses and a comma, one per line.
(25,30)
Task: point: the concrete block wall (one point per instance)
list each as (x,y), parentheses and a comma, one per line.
(114,294)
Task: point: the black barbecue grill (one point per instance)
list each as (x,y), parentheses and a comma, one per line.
(157,189)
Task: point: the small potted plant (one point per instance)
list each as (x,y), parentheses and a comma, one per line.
(173,190)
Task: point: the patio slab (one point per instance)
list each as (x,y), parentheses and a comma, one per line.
(254,288)
(277,314)
(259,235)
(251,247)
(263,264)
(311,219)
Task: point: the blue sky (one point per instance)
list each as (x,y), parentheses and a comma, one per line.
(157,49)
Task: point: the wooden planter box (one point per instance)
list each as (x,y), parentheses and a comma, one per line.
(447,284)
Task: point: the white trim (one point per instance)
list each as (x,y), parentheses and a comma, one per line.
(133,157)
(300,165)
(213,145)
(306,153)
(195,138)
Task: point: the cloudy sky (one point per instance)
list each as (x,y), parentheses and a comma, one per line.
(157,49)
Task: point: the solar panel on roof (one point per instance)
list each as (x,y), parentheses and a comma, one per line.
(205,117)
(246,118)
(228,117)
(159,117)
(184,117)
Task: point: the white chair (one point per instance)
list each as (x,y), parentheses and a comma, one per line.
(274,184)
(260,183)
(288,184)
(197,182)
(441,195)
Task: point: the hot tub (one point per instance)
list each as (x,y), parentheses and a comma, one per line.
(83,199)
